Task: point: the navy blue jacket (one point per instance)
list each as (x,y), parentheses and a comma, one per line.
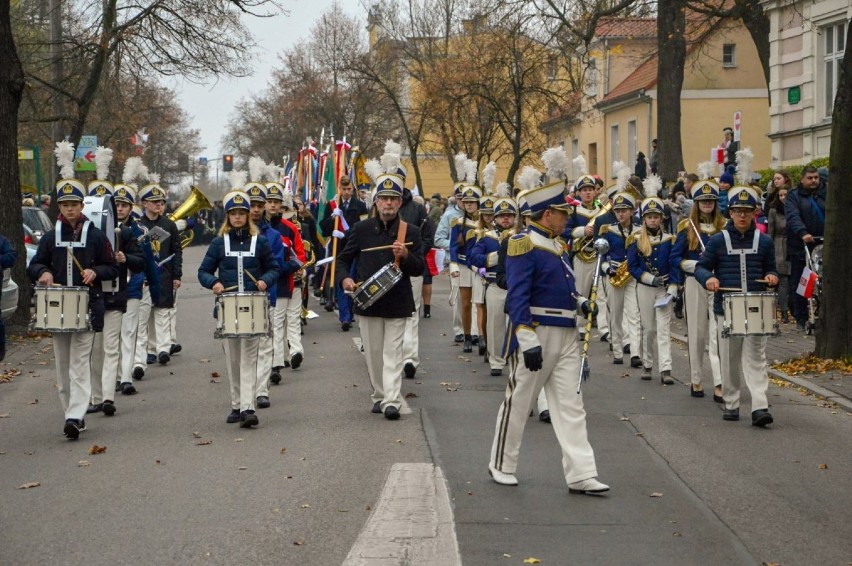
(716,262)
(151,273)
(135,263)
(803,218)
(8,255)
(262,265)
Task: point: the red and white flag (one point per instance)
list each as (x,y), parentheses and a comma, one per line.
(806,284)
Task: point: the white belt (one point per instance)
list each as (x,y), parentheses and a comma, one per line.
(558,313)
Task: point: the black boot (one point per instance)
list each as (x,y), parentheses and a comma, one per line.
(468,344)
(427,311)
(483,346)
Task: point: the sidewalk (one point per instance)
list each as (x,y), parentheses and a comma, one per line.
(832,385)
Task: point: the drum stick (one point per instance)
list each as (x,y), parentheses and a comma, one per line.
(730,289)
(80,267)
(247,272)
(231,288)
(377,248)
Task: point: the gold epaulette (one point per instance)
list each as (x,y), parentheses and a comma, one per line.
(455,221)
(519,245)
(603,230)
(682,225)
(562,243)
(507,233)
(630,239)
(471,234)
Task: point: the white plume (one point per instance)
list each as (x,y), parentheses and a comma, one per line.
(287,198)
(460,161)
(65,159)
(555,162)
(622,173)
(744,160)
(133,169)
(391,157)
(237,178)
(257,169)
(273,171)
(488,176)
(580,167)
(470,169)
(529,178)
(652,185)
(706,170)
(374,169)
(103,157)
(154,178)
(504,190)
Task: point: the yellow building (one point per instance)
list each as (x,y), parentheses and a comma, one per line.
(619,115)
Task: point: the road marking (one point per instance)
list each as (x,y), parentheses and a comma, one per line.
(412,522)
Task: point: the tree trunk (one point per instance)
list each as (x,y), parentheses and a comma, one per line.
(834,328)
(11,218)
(757,23)
(671,53)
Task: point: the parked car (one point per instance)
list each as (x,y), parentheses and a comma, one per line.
(9,300)
(36,223)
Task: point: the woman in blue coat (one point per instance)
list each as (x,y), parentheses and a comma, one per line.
(237,258)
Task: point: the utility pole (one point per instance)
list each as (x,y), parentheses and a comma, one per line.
(56,73)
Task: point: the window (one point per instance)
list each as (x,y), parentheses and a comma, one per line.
(833,47)
(729,55)
(632,141)
(592,79)
(614,144)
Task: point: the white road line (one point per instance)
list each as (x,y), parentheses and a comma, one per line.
(412,522)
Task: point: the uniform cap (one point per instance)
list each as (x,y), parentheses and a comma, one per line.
(152,192)
(69,190)
(256,192)
(236,200)
(124,193)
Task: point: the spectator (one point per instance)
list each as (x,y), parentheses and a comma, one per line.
(435,210)
(654,159)
(218,215)
(45,203)
(780,179)
(28,202)
(726,181)
(731,147)
(641,169)
(778,232)
(804,209)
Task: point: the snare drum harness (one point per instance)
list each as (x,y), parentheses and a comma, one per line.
(240,256)
(742,253)
(69,263)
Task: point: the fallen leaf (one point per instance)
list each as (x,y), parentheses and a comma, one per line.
(238,440)
(676,534)
(656,494)
(343,510)
(823,466)
(34,402)
(204,360)
(624,419)
(407,396)
(369,508)
(157,462)
(214,374)
(399,441)
(532,560)
(95,449)
(196,434)
(470,493)
(28,485)
(507,555)
(214,380)
(283,450)
(305,506)
(84,463)
(298,543)
(242,468)
(4,415)
(204,443)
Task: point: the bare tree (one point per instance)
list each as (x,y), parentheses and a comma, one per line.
(834,330)
(671,54)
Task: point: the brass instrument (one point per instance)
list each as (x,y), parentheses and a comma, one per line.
(621,277)
(585,246)
(196,202)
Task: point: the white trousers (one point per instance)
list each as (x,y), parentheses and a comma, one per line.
(411,338)
(631,324)
(558,376)
(743,357)
(495,301)
(656,325)
(129,328)
(173,323)
(161,339)
(701,331)
(541,401)
(279,334)
(106,350)
(241,359)
(615,306)
(584,274)
(477,294)
(144,317)
(457,322)
(382,338)
(264,363)
(72,351)
(292,328)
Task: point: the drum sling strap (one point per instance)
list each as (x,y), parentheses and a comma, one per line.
(742,253)
(400,237)
(69,262)
(240,256)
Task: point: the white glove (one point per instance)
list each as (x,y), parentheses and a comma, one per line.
(672,290)
(337,213)
(338,234)
(454,268)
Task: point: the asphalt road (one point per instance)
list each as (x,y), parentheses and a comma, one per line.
(729,493)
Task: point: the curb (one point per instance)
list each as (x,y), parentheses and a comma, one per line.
(799,382)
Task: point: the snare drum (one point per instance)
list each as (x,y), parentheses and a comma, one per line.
(749,314)
(376,286)
(62,309)
(242,315)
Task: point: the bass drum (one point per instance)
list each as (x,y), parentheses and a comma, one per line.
(101,211)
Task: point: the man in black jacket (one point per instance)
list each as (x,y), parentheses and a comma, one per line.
(382,324)
(350,211)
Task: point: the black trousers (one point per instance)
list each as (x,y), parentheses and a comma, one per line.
(800,304)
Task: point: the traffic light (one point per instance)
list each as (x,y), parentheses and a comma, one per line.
(227,162)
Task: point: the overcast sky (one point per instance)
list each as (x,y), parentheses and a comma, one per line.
(211,105)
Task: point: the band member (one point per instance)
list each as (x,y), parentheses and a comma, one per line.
(485,257)
(382,324)
(648,257)
(106,350)
(581,232)
(340,217)
(237,258)
(462,240)
(286,317)
(486,223)
(543,347)
(622,286)
(75,253)
(169,256)
(740,257)
(149,279)
(704,221)
(442,241)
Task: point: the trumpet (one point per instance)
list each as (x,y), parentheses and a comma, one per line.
(196,202)
(621,277)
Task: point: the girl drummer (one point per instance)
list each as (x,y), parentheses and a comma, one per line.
(704,220)
(244,261)
(648,252)
(462,240)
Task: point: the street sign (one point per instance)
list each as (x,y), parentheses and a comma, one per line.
(738,125)
(88,141)
(794,95)
(26,155)
(84,156)
(202,161)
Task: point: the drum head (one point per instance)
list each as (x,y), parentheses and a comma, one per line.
(101,211)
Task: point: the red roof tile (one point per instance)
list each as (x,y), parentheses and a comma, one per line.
(627,27)
(645,76)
